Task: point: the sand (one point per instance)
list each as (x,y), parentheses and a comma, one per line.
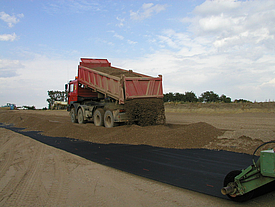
(34,174)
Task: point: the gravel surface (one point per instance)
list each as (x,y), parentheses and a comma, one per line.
(34,174)
(232,132)
(195,135)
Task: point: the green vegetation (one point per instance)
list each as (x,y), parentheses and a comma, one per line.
(29,107)
(206,97)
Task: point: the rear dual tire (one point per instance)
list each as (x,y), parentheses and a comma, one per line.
(73,116)
(98,117)
(104,118)
(109,121)
(80,116)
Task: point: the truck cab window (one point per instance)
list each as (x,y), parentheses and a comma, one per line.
(71,87)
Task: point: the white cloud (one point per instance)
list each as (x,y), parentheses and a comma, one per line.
(214,7)
(183,42)
(10,20)
(229,48)
(8,37)
(121,22)
(27,82)
(8,68)
(103,41)
(215,23)
(232,23)
(131,42)
(122,37)
(146,11)
(269,83)
(68,6)
(118,36)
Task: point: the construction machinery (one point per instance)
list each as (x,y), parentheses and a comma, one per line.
(240,185)
(59,105)
(9,106)
(104,94)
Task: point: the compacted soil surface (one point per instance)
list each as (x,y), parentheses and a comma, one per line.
(34,174)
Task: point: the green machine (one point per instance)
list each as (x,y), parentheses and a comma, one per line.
(240,185)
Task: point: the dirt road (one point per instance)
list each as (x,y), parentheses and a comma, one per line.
(34,174)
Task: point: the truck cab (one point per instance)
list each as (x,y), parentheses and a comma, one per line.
(78,93)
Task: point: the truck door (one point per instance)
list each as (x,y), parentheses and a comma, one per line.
(72,94)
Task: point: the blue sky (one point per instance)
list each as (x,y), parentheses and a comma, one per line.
(224,46)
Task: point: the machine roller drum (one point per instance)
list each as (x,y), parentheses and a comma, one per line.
(229,188)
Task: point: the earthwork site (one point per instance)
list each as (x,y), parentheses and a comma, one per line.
(35,174)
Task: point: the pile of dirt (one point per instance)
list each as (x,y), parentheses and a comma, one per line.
(117,72)
(145,112)
(169,136)
(242,144)
(180,136)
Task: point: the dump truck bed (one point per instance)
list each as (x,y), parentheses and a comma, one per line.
(120,84)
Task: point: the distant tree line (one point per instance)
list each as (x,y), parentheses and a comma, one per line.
(29,107)
(206,97)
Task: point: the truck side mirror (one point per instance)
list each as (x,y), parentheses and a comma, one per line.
(66,87)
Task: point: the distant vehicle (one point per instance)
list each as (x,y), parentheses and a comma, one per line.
(22,108)
(59,105)
(9,106)
(100,91)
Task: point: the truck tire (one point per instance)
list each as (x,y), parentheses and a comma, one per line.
(80,116)
(73,117)
(98,117)
(108,119)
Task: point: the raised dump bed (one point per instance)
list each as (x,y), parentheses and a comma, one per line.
(120,84)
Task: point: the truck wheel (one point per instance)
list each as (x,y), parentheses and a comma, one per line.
(98,117)
(73,117)
(80,116)
(108,119)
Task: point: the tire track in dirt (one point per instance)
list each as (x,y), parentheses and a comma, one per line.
(29,169)
(9,176)
(30,183)
(33,181)
(8,194)
(24,181)
(57,194)
(6,155)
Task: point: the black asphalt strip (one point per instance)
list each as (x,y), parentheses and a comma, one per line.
(199,170)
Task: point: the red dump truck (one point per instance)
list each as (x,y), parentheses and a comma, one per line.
(100,92)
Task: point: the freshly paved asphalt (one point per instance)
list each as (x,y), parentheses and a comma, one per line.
(200,170)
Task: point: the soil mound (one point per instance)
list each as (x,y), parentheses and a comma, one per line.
(241,144)
(145,112)
(169,136)
(116,72)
